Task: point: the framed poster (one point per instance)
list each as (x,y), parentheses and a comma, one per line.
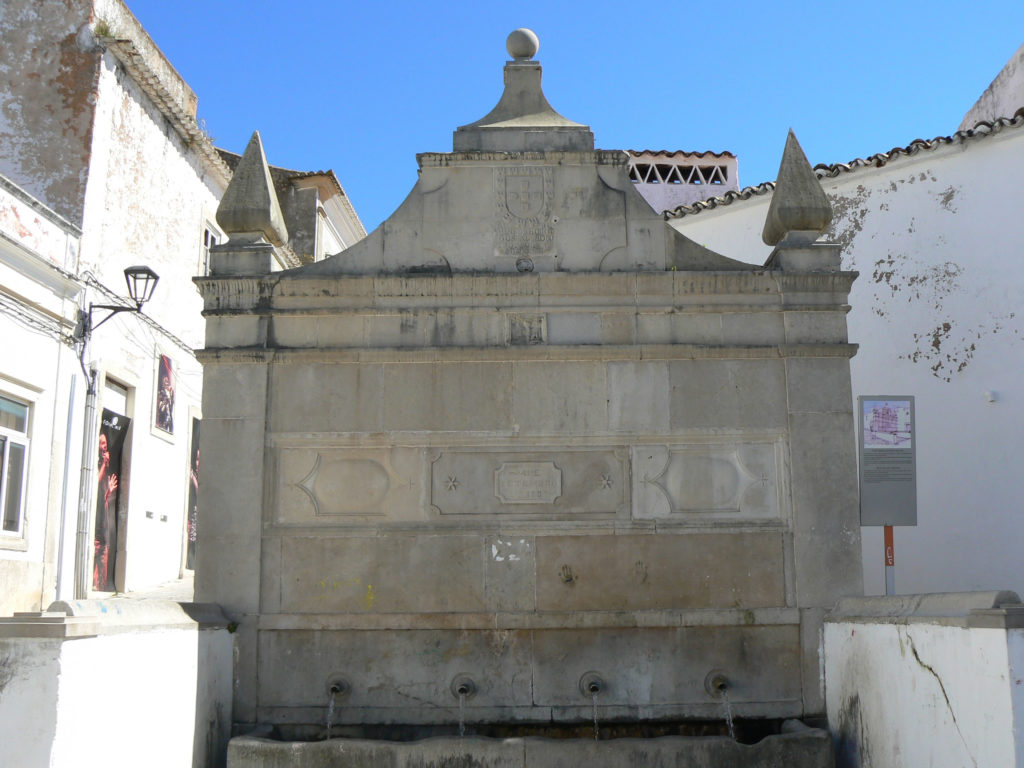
(888,460)
(163,410)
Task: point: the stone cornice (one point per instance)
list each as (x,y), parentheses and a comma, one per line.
(273,293)
(235,294)
(783,616)
(536,353)
(614,157)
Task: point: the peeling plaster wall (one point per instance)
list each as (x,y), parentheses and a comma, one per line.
(49,66)
(147,201)
(36,230)
(922,694)
(936,310)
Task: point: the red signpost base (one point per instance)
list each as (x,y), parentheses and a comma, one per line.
(890,562)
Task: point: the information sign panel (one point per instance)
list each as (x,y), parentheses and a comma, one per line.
(888,460)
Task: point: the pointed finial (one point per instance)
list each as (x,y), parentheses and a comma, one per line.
(522,44)
(249,209)
(799,202)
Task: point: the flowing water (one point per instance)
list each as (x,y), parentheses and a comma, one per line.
(597,730)
(728,715)
(330,714)
(462,714)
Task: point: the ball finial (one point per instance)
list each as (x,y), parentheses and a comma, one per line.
(522,44)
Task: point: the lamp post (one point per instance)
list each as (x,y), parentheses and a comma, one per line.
(141,283)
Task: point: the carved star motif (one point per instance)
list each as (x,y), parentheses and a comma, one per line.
(606,481)
(451,483)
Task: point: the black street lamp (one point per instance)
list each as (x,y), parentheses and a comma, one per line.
(141,283)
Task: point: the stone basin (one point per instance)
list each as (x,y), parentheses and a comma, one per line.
(797,747)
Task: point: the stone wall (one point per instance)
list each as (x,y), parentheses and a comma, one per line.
(523,478)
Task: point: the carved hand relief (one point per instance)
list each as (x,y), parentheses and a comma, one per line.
(541,484)
(523,197)
(735,480)
(318,485)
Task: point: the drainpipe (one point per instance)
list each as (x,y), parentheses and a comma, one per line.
(82,581)
(64,492)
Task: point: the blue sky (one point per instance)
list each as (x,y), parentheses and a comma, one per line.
(361,87)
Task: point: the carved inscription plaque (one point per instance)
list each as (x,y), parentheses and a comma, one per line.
(527,482)
(541,484)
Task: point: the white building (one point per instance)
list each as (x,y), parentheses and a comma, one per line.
(38,293)
(667,180)
(935,231)
(103,166)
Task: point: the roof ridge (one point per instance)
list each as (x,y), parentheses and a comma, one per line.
(674,152)
(981,130)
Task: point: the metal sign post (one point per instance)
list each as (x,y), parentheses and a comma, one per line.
(888,469)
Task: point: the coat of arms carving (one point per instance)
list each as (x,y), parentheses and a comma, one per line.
(524,195)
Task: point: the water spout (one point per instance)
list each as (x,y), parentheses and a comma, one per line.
(591,684)
(716,683)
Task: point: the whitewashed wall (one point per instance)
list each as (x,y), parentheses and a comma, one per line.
(120,684)
(937,239)
(909,689)
(1003,97)
(37,305)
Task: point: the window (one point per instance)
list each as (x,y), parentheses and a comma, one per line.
(210,239)
(115,397)
(13,463)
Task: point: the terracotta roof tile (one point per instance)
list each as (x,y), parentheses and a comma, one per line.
(673,153)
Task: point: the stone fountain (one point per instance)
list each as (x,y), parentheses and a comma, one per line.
(525,456)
